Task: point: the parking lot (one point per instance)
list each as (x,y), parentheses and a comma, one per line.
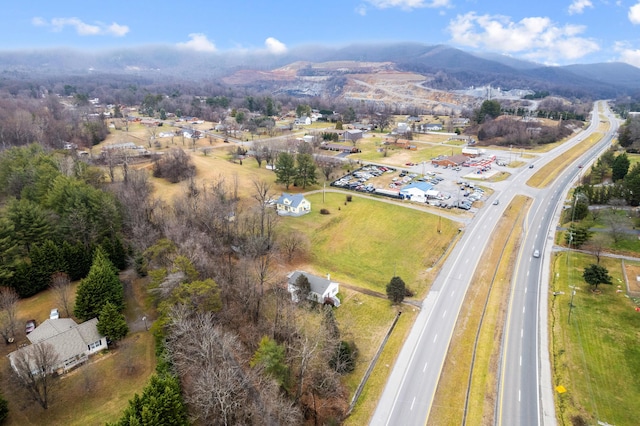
(444,187)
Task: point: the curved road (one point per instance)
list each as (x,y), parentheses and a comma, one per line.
(409,393)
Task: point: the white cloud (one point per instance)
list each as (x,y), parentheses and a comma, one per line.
(361,10)
(82,28)
(408,4)
(536,38)
(275,46)
(627,54)
(199,42)
(634,14)
(578,6)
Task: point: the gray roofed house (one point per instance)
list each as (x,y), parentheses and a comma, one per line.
(71,341)
(292,205)
(322,289)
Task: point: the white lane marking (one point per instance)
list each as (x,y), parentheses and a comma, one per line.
(413,402)
(521,333)
(453,292)
(523,309)
(525,290)
(425,367)
(518,396)
(435,338)
(445,313)
(520,360)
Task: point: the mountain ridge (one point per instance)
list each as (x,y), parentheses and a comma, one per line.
(456,68)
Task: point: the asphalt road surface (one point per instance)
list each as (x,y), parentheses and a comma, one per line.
(408,395)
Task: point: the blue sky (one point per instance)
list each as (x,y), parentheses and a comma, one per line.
(545,31)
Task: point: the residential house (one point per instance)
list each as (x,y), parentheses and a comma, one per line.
(323,290)
(433,127)
(302,121)
(353,135)
(292,205)
(72,342)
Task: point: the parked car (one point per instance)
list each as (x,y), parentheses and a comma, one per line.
(30,326)
(54,314)
(531,166)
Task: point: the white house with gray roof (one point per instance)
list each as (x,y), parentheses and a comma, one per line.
(72,342)
(292,205)
(323,290)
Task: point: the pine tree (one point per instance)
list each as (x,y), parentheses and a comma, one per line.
(396,290)
(285,169)
(46,259)
(306,171)
(78,260)
(160,404)
(99,287)
(30,223)
(111,323)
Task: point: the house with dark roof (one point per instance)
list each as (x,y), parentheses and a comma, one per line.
(323,290)
(72,343)
(292,205)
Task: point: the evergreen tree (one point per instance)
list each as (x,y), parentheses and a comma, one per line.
(4,409)
(306,171)
(595,274)
(160,404)
(285,169)
(30,223)
(271,356)
(9,251)
(396,290)
(620,167)
(46,259)
(78,260)
(343,360)
(99,287)
(22,281)
(111,323)
(577,235)
(116,251)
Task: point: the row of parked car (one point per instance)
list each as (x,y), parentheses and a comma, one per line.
(356,181)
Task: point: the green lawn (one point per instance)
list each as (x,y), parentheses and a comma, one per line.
(364,242)
(596,353)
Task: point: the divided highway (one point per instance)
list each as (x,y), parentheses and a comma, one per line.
(408,395)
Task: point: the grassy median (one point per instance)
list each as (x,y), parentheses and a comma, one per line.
(482,318)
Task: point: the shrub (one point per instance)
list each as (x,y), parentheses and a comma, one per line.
(324,211)
(349,198)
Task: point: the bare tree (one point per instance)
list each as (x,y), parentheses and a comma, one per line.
(34,368)
(262,195)
(61,286)
(597,244)
(8,309)
(617,225)
(292,244)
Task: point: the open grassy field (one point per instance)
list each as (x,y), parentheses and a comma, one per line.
(596,355)
(491,286)
(364,242)
(372,391)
